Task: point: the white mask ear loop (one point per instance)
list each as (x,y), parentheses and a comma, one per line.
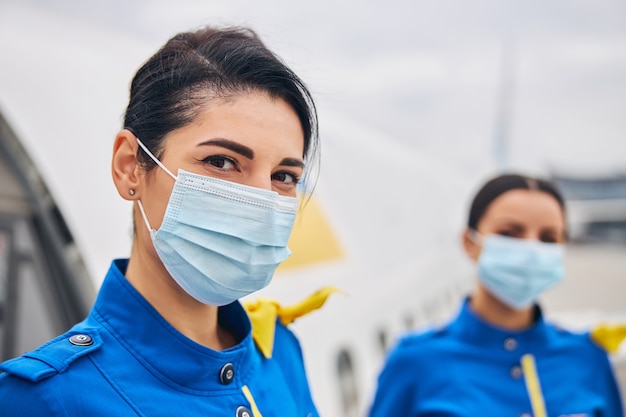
(475,237)
(159,163)
(143,214)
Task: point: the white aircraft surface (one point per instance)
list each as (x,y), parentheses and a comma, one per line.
(383,224)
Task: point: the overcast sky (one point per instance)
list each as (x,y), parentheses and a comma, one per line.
(431,74)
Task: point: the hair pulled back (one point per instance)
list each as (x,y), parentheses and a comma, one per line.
(503,183)
(173,86)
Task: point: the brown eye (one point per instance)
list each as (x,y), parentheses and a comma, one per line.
(285,177)
(221,162)
(508,233)
(548,237)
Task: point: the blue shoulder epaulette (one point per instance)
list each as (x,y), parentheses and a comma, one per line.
(54,357)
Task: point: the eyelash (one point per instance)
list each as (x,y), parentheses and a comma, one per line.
(548,239)
(221,158)
(507,233)
(295,178)
(214,158)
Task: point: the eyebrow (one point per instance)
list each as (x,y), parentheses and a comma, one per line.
(247,152)
(229,144)
(517,225)
(292,162)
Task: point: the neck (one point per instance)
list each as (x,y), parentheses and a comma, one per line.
(496,313)
(197,321)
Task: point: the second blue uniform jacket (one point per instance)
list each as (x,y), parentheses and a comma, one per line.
(126,360)
(470,368)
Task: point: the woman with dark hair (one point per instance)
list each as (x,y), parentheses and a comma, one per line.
(218,133)
(499,356)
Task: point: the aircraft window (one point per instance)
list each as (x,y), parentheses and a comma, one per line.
(383,340)
(409,321)
(429,311)
(347,383)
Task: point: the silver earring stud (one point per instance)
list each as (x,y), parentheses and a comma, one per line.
(131,192)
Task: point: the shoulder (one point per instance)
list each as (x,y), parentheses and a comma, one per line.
(413,356)
(55,356)
(27,383)
(582,342)
(424,340)
(418,348)
(285,340)
(426,336)
(289,359)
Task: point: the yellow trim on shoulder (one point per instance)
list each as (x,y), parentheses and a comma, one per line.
(533,386)
(609,336)
(264,312)
(250,398)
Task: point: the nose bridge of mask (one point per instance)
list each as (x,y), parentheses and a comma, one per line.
(244,211)
(519,244)
(513,242)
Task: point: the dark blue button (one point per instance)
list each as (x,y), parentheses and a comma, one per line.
(243,412)
(81,340)
(227,373)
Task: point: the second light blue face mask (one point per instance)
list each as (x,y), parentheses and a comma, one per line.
(517,271)
(220,240)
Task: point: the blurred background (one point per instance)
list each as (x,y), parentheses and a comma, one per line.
(419,103)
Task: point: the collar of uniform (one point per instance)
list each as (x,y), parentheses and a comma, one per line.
(162,349)
(469,327)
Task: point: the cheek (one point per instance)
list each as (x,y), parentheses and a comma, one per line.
(474,253)
(158,211)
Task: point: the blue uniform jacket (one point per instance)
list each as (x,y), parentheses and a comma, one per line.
(126,360)
(470,368)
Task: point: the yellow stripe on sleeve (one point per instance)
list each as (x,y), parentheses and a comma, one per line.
(532,386)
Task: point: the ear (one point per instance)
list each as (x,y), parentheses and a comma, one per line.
(124,166)
(472,249)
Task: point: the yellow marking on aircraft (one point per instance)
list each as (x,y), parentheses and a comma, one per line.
(312,239)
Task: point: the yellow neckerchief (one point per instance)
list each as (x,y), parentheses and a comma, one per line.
(264,312)
(609,336)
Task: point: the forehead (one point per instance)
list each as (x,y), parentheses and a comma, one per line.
(254,119)
(525,206)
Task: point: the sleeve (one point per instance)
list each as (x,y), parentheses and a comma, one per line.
(288,353)
(396,389)
(606,340)
(609,388)
(22,398)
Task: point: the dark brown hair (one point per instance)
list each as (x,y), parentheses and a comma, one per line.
(172,87)
(503,183)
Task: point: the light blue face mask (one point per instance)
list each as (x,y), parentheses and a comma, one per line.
(517,271)
(220,240)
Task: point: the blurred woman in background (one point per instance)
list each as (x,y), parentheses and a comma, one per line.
(499,356)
